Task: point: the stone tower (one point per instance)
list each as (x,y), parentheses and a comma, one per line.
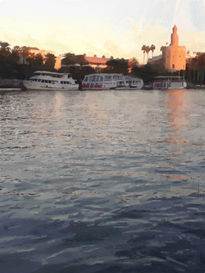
(175,55)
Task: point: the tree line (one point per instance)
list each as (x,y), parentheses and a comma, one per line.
(195,69)
(19,63)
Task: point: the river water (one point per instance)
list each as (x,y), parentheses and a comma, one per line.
(109,181)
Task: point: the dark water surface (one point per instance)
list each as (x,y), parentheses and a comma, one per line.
(94,182)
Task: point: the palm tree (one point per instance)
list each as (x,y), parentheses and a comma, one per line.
(144,50)
(152,48)
(147,50)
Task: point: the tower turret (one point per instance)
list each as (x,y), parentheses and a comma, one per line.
(174,37)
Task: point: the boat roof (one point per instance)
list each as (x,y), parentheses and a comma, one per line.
(50,73)
(169,77)
(105,74)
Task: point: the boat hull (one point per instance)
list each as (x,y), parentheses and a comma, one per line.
(114,86)
(98,86)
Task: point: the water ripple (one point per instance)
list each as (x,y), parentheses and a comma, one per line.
(102,182)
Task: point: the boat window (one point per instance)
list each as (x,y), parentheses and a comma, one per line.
(108,78)
(96,78)
(100,78)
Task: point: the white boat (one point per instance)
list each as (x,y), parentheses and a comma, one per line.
(169,82)
(129,82)
(106,81)
(45,80)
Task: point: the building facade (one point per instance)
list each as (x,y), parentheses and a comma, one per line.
(175,55)
(97,63)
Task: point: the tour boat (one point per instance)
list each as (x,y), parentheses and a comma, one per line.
(45,80)
(169,82)
(129,82)
(106,81)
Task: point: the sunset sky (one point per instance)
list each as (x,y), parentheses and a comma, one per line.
(110,27)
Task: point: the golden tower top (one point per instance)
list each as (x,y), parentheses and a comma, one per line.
(174,37)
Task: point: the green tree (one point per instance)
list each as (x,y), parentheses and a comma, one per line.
(72,59)
(152,48)
(147,50)
(5,51)
(117,66)
(144,51)
(149,71)
(195,70)
(69,59)
(35,61)
(50,61)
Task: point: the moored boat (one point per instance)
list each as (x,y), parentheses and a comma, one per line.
(169,82)
(107,81)
(45,80)
(130,82)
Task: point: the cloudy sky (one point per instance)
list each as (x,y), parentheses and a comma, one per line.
(109,27)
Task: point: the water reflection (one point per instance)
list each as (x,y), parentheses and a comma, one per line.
(177,110)
(176,117)
(58,103)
